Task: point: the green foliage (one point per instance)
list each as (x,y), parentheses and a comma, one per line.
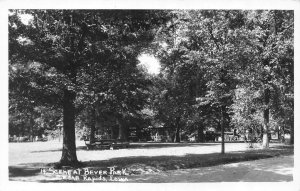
(209,57)
(75,60)
(216,66)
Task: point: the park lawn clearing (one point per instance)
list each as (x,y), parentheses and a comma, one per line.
(147,165)
(141,159)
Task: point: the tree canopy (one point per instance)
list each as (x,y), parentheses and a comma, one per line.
(219,68)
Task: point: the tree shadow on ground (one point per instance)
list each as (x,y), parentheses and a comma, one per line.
(153,164)
(23,171)
(189,160)
(237,173)
(142,164)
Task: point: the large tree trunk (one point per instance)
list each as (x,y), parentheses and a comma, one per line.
(69,157)
(92,123)
(266,118)
(177,131)
(201,138)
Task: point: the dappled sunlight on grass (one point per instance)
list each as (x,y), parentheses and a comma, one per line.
(143,158)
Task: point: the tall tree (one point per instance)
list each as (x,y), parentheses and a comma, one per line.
(213,46)
(266,57)
(66,42)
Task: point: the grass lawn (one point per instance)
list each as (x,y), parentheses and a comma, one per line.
(139,165)
(26,159)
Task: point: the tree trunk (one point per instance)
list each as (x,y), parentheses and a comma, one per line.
(201,138)
(123,131)
(261,132)
(292,133)
(59,134)
(31,129)
(113,136)
(266,118)
(92,124)
(69,157)
(222,130)
(177,135)
(177,132)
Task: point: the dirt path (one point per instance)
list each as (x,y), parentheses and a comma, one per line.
(275,169)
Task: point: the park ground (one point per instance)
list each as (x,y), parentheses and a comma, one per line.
(159,162)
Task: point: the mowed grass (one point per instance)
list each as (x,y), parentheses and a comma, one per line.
(25,159)
(207,156)
(50,152)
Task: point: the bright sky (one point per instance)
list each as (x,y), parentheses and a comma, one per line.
(25,18)
(150,62)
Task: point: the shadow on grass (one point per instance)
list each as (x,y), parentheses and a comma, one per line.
(240,172)
(23,171)
(143,165)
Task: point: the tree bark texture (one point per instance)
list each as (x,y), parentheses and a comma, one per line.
(69,157)
(266,118)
